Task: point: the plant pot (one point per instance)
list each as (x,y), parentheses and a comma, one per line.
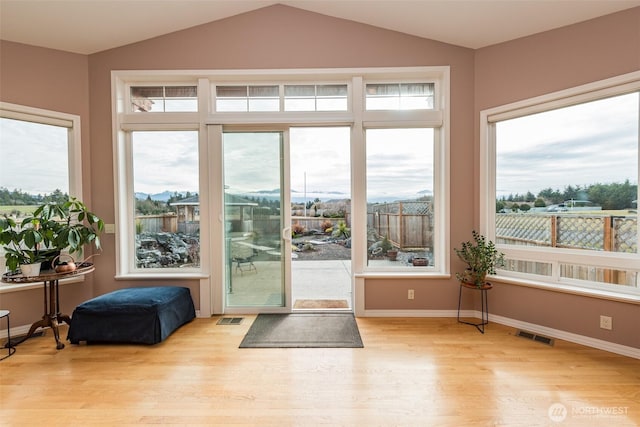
(31,270)
(392,255)
(420,262)
(50,255)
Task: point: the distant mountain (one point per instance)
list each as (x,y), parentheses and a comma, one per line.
(296,196)
(161,197)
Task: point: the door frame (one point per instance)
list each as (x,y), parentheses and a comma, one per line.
(216,188)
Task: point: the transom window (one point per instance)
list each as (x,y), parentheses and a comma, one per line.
(247,98)
(315,97)
(287,97)
(400,96)
(164,99)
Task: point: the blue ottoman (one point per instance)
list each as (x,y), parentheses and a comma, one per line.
(132,315)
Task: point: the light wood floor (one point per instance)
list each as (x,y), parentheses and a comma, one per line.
(422,372)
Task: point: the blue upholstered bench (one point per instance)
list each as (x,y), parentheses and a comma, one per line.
(132,315)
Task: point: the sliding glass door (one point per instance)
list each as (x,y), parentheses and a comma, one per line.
(255,235)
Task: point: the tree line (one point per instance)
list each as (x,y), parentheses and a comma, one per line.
(20,198)
(612,196)
(149,206)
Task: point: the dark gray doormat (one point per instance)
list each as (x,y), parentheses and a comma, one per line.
(319,330)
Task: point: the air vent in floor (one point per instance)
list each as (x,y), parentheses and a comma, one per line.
(230,320)
(534,337)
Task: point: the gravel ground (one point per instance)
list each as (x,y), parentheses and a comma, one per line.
(321,252)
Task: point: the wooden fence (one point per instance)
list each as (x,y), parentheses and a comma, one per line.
(408,225)
(589,232)
(157,223)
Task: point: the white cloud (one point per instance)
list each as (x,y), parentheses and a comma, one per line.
(36,154)
(581,145)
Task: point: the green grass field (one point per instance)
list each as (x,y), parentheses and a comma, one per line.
(23,210)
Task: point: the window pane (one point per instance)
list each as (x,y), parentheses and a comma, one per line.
(573,172)
(147,92)
(264,104)
(315,97)
(400,186)
(26,183)
(332,90)
(299,90)
(164,98)
(231,91)
(588,273)
(331,104)
(299,104)
(247,98)
(181,92)
(400,96)
(530,267)
(180,105)
(165,185)
(263,91)
(231,105)
(19,172)
(264,98)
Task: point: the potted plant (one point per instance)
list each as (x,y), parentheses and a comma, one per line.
(388,249)
(481,257)
(73,225)
(21,243)
(53,227)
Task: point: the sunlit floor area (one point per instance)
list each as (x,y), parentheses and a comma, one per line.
(411,372)
(259,283)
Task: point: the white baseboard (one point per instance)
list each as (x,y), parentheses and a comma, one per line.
(568,336)
(529,327)
(17,331)
(419,313)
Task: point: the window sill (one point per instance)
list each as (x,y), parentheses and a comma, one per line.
(161,276)
(569,289)
(400,275)
(6,288)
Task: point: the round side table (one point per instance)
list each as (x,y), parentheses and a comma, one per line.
(10,349)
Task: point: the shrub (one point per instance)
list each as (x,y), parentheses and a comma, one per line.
(297,229)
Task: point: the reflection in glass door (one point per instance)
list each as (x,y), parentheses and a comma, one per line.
(253,218)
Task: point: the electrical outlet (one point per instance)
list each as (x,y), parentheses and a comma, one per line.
(410,294)
(606,322)
(110,228)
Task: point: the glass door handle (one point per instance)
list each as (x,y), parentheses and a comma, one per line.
(286,234)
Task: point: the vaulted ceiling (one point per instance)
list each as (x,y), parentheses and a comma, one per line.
(92,26)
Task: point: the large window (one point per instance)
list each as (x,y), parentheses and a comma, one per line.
(40,162)
(400,190)
(167,140)
(564,200)
(166,200)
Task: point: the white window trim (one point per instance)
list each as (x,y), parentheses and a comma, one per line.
(355,116)
(610,87)
(54,118)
